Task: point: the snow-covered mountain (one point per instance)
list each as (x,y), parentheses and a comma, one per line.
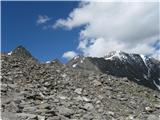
(139,68)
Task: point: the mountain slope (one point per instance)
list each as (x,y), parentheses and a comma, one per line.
(143,70)
(32,90)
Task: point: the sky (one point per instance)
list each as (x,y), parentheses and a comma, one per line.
(22,24)
(63,30)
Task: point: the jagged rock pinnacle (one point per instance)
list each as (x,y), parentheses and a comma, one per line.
(21,51)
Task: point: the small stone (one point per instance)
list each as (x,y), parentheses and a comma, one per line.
(46,84)
(88,117)
(78,91)
(29,109)
(65,111)
(110,113)
(157,106)
(131,117)
(51,112)
(148,109)
(79,98)
(96,83)
(64,75)
(41,117)
(98,101)
(13,107)
(62,97)
(100,97)
(86,99)
(153,117)
(58,71)
(31,116)
(88,106)
(44,106)
(54,118)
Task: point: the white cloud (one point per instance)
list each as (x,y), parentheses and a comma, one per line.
(42,19)
(108,26)
(69,55)
(156,55)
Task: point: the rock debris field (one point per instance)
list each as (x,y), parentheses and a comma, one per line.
(31,90)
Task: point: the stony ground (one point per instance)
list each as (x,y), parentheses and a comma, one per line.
(51,91)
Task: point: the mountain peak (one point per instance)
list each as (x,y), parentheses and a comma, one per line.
(116,54)
(55,62)
(21,51)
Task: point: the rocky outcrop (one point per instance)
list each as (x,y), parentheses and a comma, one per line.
(21,52)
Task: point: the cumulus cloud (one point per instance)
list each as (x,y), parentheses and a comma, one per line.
(69,55)
(107,26)
(42,19)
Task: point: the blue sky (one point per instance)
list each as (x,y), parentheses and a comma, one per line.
(19,28)
(62,30)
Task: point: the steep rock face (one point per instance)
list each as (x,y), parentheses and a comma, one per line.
(21,52)
(141,69)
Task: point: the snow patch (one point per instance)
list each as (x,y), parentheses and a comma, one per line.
(145,76)
(76,57)
(117,54)
(144,60)
(62,97)
(10,53)
(81,61)
(137,79)
(48,62)
(124,57)
(74,65)
(158,86)
(109,58)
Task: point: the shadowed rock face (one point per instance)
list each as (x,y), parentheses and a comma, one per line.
(143,70)
(84,89)
(20,51)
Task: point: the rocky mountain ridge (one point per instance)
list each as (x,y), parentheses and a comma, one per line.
(32,90)
(143,70)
